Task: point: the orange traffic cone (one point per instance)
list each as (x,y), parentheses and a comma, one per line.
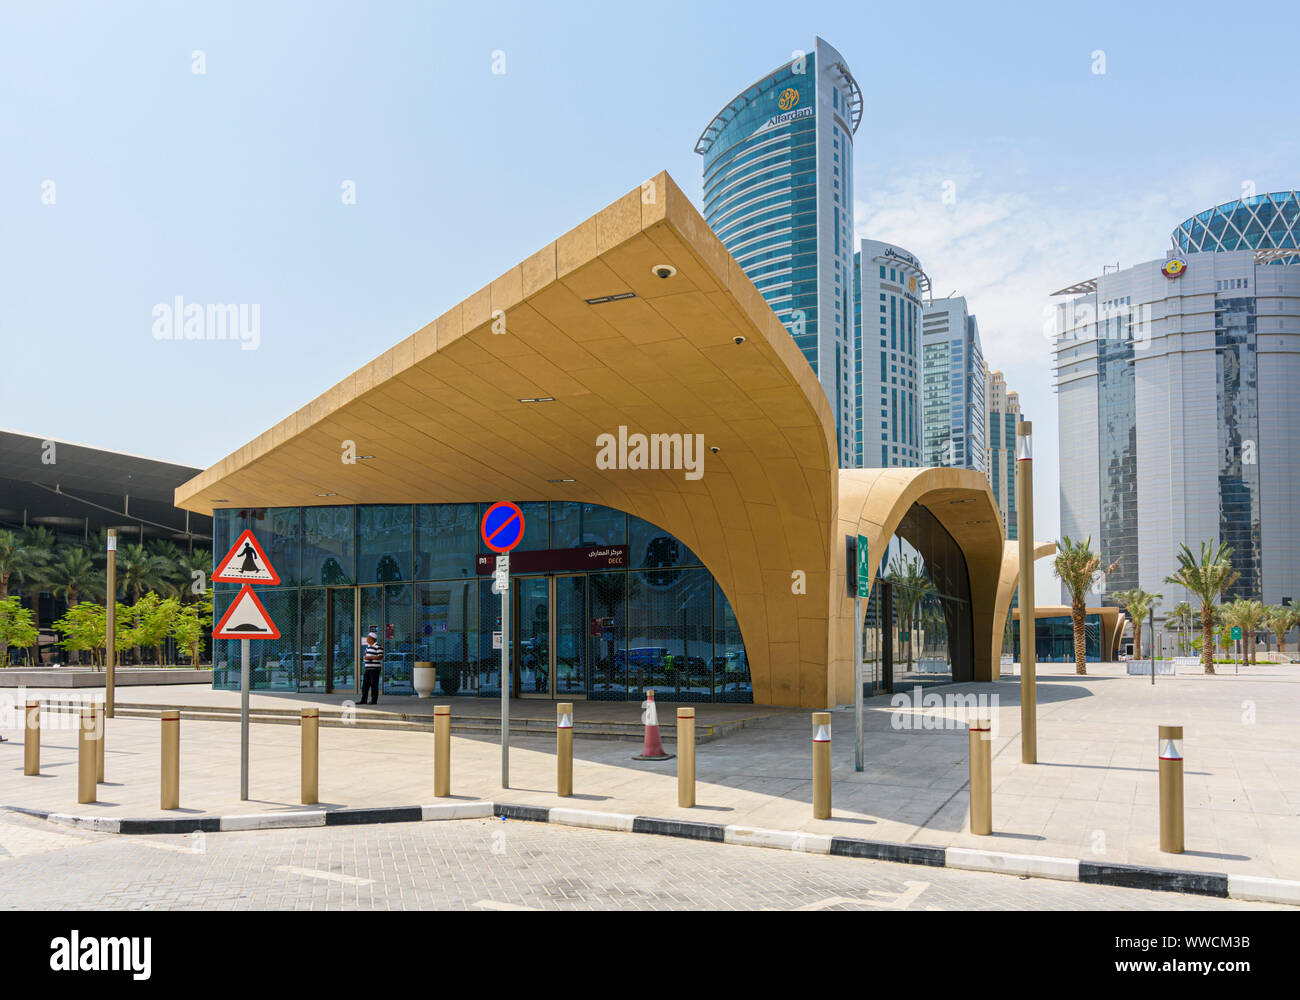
(653,748)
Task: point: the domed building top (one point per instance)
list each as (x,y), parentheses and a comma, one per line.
(1264,222)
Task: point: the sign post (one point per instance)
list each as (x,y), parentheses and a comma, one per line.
(861,582)
(502,529)
(245,620)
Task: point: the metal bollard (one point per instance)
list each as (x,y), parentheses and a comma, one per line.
(441,751)
(310,756)
(821,752)
(685,758)
(171,759)
(1171,789)
(564,749)
(981,778)
(100,732)
(32,739)
(86,756)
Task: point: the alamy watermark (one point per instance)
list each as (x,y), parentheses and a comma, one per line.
(179,320)
(922,709)
(652,451)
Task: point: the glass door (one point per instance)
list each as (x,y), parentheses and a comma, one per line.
(531,661)
(386,610)
(569,666)
(339,665)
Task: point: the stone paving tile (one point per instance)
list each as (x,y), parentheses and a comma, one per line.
(1096,752)
(487,864)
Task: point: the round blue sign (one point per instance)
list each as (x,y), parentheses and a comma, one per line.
(503,526)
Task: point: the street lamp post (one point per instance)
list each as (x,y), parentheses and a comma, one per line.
(1028,653)
(110,620)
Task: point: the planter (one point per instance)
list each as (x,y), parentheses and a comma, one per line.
(449,678)
(424,678)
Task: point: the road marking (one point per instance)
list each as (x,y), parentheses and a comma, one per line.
(326,876)
(159,845)
(891,901)
(492,904)
(18,841)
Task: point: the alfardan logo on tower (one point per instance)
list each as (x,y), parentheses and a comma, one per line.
(788,99)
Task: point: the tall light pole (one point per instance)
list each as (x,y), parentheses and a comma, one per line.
(1028,653)
(110,618)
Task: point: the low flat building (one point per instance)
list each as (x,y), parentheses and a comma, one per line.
(677,463)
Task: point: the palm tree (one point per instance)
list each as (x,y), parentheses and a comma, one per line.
(1207,578)
(17,560)
(1078,567)
(73,575)
(189,563)
(1253,612)
(1181,615)
(911,583)
(1138,603)
(139,570)
(1282,620)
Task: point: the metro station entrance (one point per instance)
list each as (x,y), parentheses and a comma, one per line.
(549,621)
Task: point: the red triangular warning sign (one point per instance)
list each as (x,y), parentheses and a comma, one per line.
(246,562)
(246,619)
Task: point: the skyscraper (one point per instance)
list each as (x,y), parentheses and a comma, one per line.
(1003,415)
(887,289)
(778,192)
(953,378)
(1178,405)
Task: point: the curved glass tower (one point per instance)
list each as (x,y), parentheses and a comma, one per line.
(778,192)
(1264,222)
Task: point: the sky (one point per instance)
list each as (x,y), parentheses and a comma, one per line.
(355,169)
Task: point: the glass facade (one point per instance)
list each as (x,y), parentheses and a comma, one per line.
(1264,222)
(778,193)
(1237,389)
(1054,639)
(416,575)
(918,627)
(1117,426)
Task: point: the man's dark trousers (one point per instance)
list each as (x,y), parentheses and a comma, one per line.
(370,685)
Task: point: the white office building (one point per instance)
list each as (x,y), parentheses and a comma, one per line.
(953,374)
(1179,407)
(887,303)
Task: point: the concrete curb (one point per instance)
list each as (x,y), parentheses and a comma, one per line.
(1255,888)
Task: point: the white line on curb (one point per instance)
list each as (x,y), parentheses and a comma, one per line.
(1264,890)
(272,821)
(621,822)
(790,840)
(1013,864)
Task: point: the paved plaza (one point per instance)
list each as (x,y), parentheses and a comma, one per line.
(494,865)
(1092,796)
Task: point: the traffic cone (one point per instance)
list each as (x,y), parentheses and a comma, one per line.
(653,748)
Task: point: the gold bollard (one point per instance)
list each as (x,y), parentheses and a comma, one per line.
(441,751)
(821,748)
(1171,789)
(685,758)
(99,744)
(86,756)
(981,778)
(171,759)
(32,739)
(310,756)
(564,749)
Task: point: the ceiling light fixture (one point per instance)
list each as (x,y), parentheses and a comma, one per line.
(602,299)
(561,480)
(538,399)
(327,494)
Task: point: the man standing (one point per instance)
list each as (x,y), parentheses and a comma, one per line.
(374,662)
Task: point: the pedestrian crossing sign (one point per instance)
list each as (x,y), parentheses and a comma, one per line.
(246,562)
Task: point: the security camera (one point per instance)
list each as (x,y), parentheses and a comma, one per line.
(715,449)
(663,270)
(738,340)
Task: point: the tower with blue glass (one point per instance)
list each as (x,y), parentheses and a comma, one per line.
(778,192)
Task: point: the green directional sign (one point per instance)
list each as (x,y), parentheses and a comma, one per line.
(864,566)
(1236,631)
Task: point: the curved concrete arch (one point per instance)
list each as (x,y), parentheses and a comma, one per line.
(1008,578)
(873,502)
